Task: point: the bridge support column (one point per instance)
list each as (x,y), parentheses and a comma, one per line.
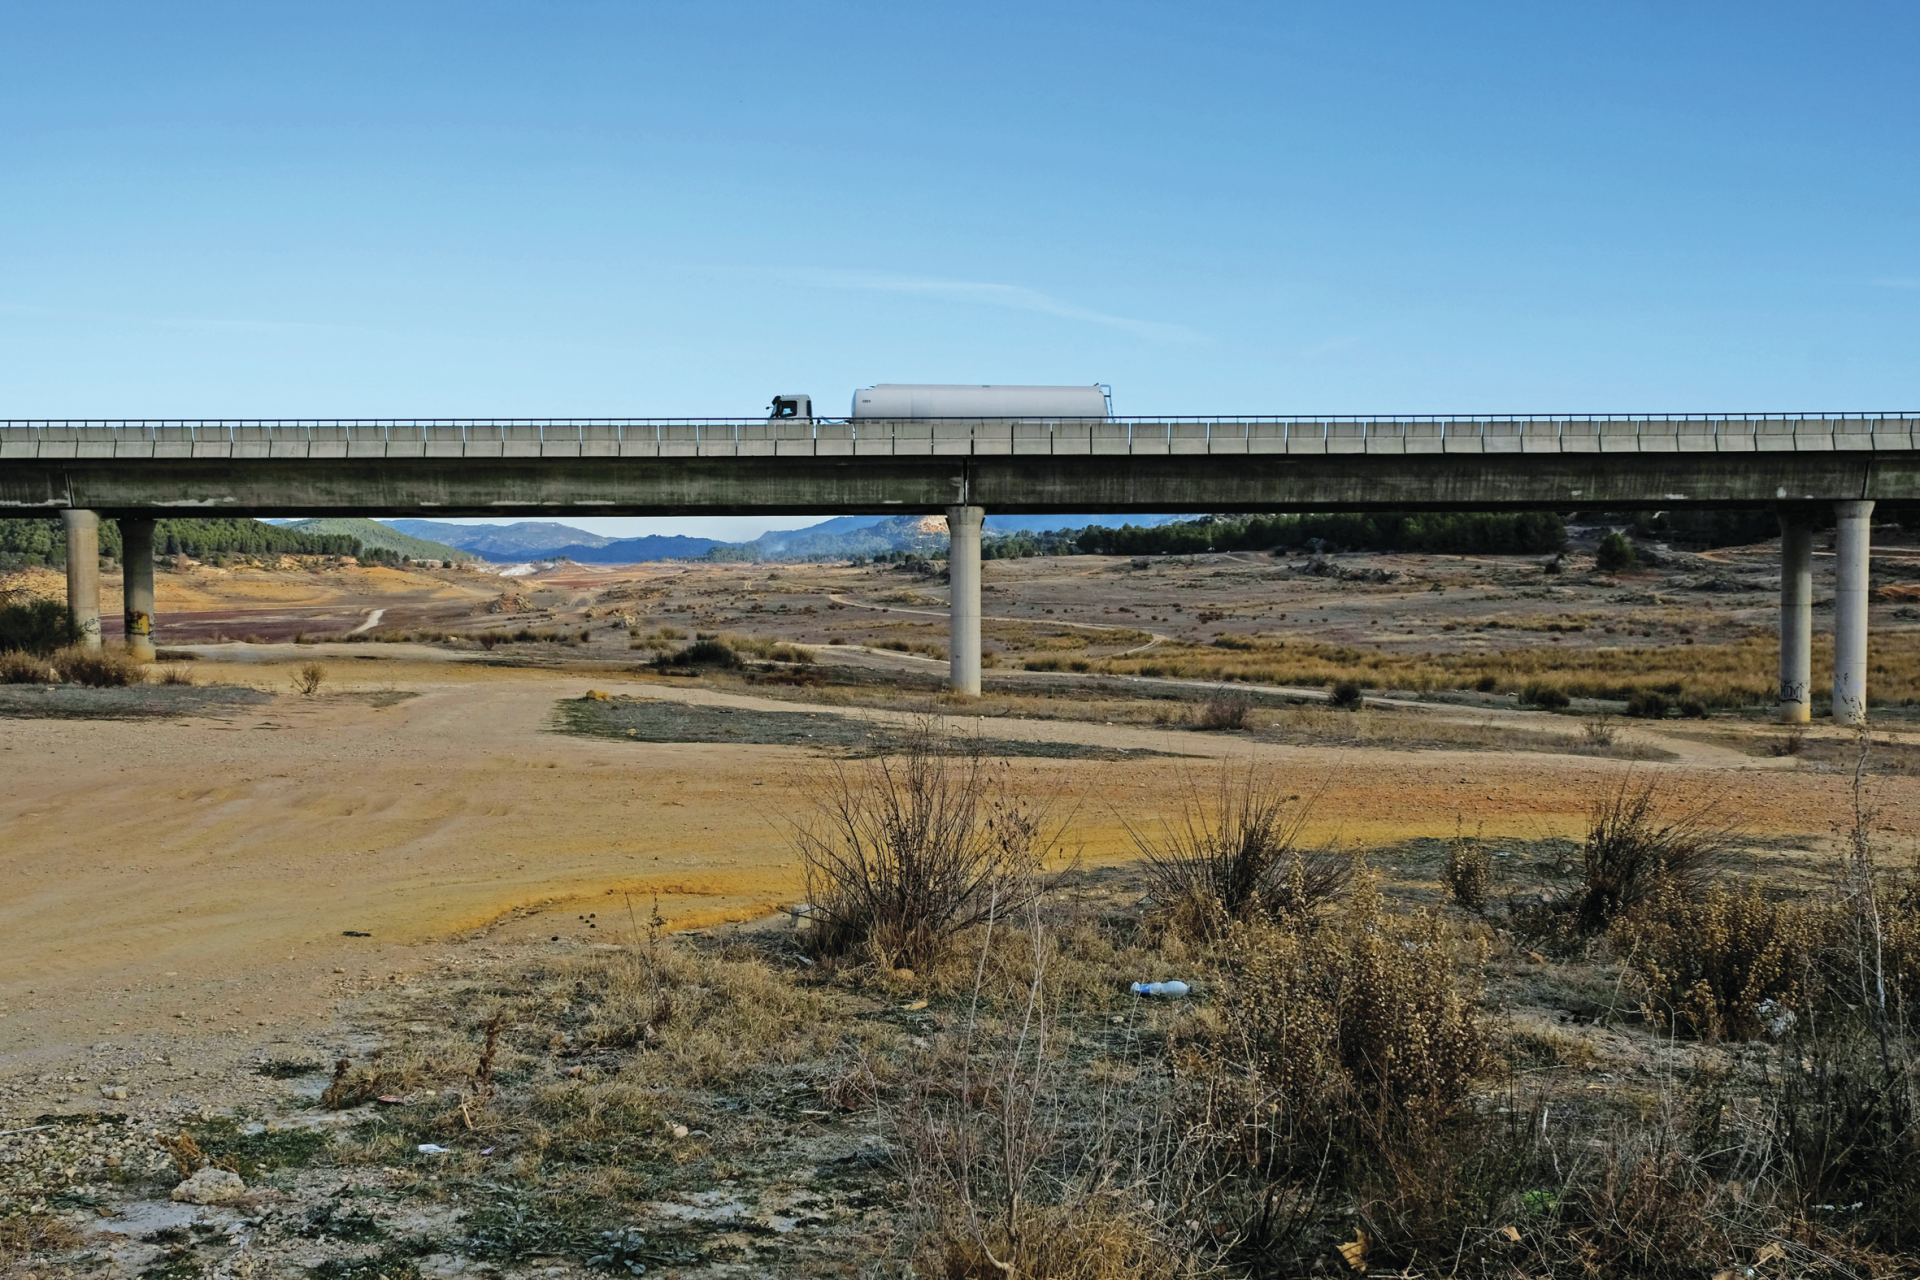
(1850,598)
(963,574)
(1796,617)
(136,595)
(83,573)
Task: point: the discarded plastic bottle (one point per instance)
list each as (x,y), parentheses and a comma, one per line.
(1160,988)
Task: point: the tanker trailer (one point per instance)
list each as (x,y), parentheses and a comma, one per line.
(917,400)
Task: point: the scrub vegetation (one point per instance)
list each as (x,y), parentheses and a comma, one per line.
(1656,1071)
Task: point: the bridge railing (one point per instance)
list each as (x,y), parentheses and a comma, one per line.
(238,439)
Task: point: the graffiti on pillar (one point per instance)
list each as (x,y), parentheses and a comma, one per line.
(138,624)
(1793,691)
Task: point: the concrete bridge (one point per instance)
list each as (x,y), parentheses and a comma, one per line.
(1798,464)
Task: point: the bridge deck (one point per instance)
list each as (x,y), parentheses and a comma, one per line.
(956,437)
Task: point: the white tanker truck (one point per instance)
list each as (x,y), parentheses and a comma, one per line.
(922,400)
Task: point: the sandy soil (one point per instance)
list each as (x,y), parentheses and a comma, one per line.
(200,875)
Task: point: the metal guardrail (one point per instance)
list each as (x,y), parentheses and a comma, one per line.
(254,438)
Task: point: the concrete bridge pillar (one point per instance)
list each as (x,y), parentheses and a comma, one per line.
(1796,617)
(1850,598)
(136,596)
(83,573)
(963,575)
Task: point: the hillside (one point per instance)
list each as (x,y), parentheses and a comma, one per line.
(522,540)
(372,533)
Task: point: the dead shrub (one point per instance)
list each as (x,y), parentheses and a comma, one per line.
(351,1087)
(1598,732)
(1235,855)
(1900,943)
(24,668)
(101,668)
(1846,1133)
(1722,963)
(1644,1208)
(25,1234)
(1224,711)
(176,673)
(1100,1237)
(1636,836)
(1018,1171)
(1335,1068)
(1371,1007)
(308,679)
(1469,872)
(903,852)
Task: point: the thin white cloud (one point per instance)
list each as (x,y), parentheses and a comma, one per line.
(188,322)
(1318,350)
(1013,297)
(1899,282)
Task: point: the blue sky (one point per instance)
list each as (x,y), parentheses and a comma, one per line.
(679,209)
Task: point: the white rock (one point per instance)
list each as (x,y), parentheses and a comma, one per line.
(211,1186)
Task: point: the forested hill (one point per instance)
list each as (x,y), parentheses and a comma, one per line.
(43,541)
(1433,532)
(372,533)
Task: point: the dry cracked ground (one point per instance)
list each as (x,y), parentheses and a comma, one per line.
(220,892)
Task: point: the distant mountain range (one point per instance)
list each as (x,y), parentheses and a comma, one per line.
(839,536)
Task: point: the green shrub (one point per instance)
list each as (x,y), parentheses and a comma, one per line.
(705,652)
(1545,697)
(1615,554)
(38,626)
(1648,704)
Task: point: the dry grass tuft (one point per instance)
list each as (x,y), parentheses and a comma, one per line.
(904,852)
(24,668)
(1095,1237)
(1224,711)
(98,668)
(308,679)
(1235,855)
(1637,836)
(23,1235)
